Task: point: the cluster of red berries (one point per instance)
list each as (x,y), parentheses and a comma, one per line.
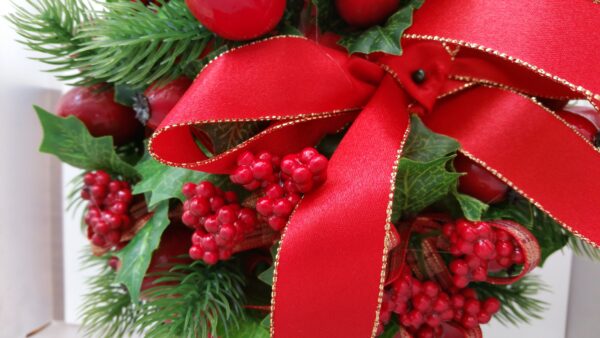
(282,181)
(422,307)
(219,220)
(477,247)
(107,216)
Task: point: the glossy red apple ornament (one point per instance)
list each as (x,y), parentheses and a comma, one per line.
(162,99)
(478,182)
(101,115)
(238,19)
(365,13)
(173,249)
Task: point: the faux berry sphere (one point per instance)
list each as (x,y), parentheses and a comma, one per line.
(365,13)
(161,99)
(576,118)
(101,115)
(238,19)
(478,182)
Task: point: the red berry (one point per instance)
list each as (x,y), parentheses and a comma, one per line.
(459,267)
(484,249)
(504,248)
(421,302)
(483,318)
(210,258)
(196,252)
(238,20)
(96,108)
(365,13)
(518,257)
(491,306)
(162,98)
(478,182)
(469,321)
(472,306)
(431,289)
(188,190)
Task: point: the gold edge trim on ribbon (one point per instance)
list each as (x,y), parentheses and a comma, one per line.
(293,119)
(591,96)
(522,193)
(275,270)
(464,78)
(388,224)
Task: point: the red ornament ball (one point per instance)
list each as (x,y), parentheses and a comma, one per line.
(478,182)
(161,99)
(101,115)
(365,13)
(238,19)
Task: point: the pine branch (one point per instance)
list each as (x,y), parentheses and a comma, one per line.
(107,310)
(196,301)
(51,28)
(135,45)
(519,304)
(582,248)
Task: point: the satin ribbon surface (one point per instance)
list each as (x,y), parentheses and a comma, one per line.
(482,59)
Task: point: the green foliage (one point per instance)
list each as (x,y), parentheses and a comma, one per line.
(135,257)
(161,182)
(472,208)
(424,145)
(52,29)
(519,302)
(225,136)
(384,38)
(250,329)
(583,248)
(124,42)
(328,18)
(197,300)
(550,235)
(424,176)
(70,141)
(107,310)
(134,45)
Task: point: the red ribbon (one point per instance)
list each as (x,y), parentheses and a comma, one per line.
(330,269)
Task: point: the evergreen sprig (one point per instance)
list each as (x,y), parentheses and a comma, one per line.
(122,42)
(136,45)
(519,302)
(51,27)
(107,310)
(195,301)
(583,248)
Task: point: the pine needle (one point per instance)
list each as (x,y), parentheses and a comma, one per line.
(122,42)
(519,302)
(583,248)
(197,301)
(51,28)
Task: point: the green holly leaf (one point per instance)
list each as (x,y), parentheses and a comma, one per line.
(550,235)
(384,38)
(161,182)
(420,184)
(135,257)
(472,208)
(267,275)
(424,145)
(70,141)
(249,328)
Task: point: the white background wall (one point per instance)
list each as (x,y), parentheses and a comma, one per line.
(28,205)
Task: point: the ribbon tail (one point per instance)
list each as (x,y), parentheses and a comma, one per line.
(530,149)
(325,282)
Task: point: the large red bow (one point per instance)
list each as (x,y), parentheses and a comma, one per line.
(330,269)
